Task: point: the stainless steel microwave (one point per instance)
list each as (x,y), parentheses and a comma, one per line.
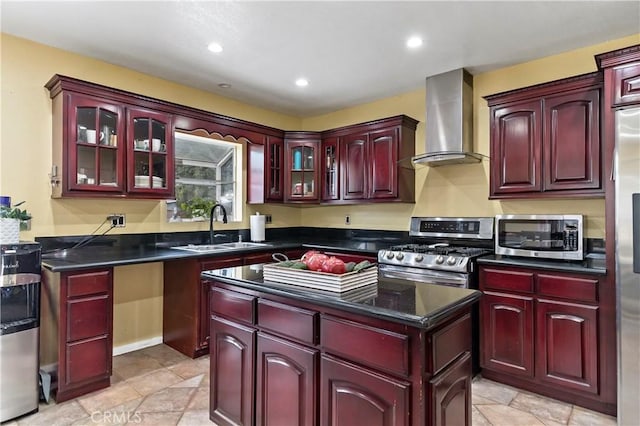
(548,236)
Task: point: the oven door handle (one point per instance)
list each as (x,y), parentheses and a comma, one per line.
(429,277)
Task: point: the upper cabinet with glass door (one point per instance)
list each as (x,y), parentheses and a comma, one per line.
(95,161)
(150,167)
(302,161)
(104,145)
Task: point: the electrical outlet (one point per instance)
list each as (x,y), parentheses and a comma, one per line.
(347,220)
(267,219)
(117,220)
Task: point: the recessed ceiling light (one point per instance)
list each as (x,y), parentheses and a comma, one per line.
(302,82)
(224,85)
(214,47)
(414,42)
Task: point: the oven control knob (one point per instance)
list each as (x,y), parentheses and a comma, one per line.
(451,260)
(399,256)
(439,259)
(390,255)
(419,258)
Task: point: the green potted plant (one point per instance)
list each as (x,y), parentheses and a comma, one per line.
(198,207)
(12,219)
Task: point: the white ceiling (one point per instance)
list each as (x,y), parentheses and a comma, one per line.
(350,51)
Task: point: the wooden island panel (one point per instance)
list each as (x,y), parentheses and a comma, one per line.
(362,370)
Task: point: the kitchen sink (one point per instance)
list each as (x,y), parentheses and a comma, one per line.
(212,248)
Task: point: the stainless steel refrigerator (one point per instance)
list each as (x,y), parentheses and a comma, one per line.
(627,181)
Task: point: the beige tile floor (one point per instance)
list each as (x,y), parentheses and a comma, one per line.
(161,387)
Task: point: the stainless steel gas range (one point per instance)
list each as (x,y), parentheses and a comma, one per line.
(443,251)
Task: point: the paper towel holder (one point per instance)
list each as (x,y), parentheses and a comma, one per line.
(257,227)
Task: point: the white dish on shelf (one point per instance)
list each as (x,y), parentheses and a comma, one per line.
(142,181)
(141,144)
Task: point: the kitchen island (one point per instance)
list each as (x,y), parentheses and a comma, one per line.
(394,352)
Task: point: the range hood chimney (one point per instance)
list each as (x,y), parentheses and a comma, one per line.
(449,120)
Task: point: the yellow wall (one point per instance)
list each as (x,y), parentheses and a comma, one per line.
(25,160)
(25,143)
(462,189)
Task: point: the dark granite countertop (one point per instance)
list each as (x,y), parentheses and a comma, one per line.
(403,301)
(110,256)
(590,265)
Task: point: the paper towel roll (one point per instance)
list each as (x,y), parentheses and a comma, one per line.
(257,227)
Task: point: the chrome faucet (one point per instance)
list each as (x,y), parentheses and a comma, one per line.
(224,220)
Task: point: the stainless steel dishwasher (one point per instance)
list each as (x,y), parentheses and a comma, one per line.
(19,329)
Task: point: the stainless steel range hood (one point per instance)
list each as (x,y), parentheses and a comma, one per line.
(449,120)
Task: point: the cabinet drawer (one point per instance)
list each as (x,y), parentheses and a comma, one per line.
(220,263)
(295,323)
(449,343)
(375,347)
(89,359)
(498,279)
(89,283)
(87,318)
(575,289)
(236,306)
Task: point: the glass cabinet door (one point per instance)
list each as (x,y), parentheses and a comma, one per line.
(302,158)
(96,163)
(150,168)
(330,163)
(275,177)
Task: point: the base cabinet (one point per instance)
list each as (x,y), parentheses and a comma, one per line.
(568,354)
(297,363)
(507,330)
(81,305)
(285,382)
(546,332)
(451,394)
(185,310)
(231,373)
(352,395)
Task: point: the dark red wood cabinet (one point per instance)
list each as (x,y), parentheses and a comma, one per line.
(516,160)
(276,169)
(507,330)
(232,368)
(284,365)
(545,331)
(355,170)
(360,163)
(352,395)
(330,169)
(150,161)
(82,304)
(626,84)
(546,140)
(371,160)
(106,145)
(451,398)
(302,167)
(185,324)
(185,304)
(315,365)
